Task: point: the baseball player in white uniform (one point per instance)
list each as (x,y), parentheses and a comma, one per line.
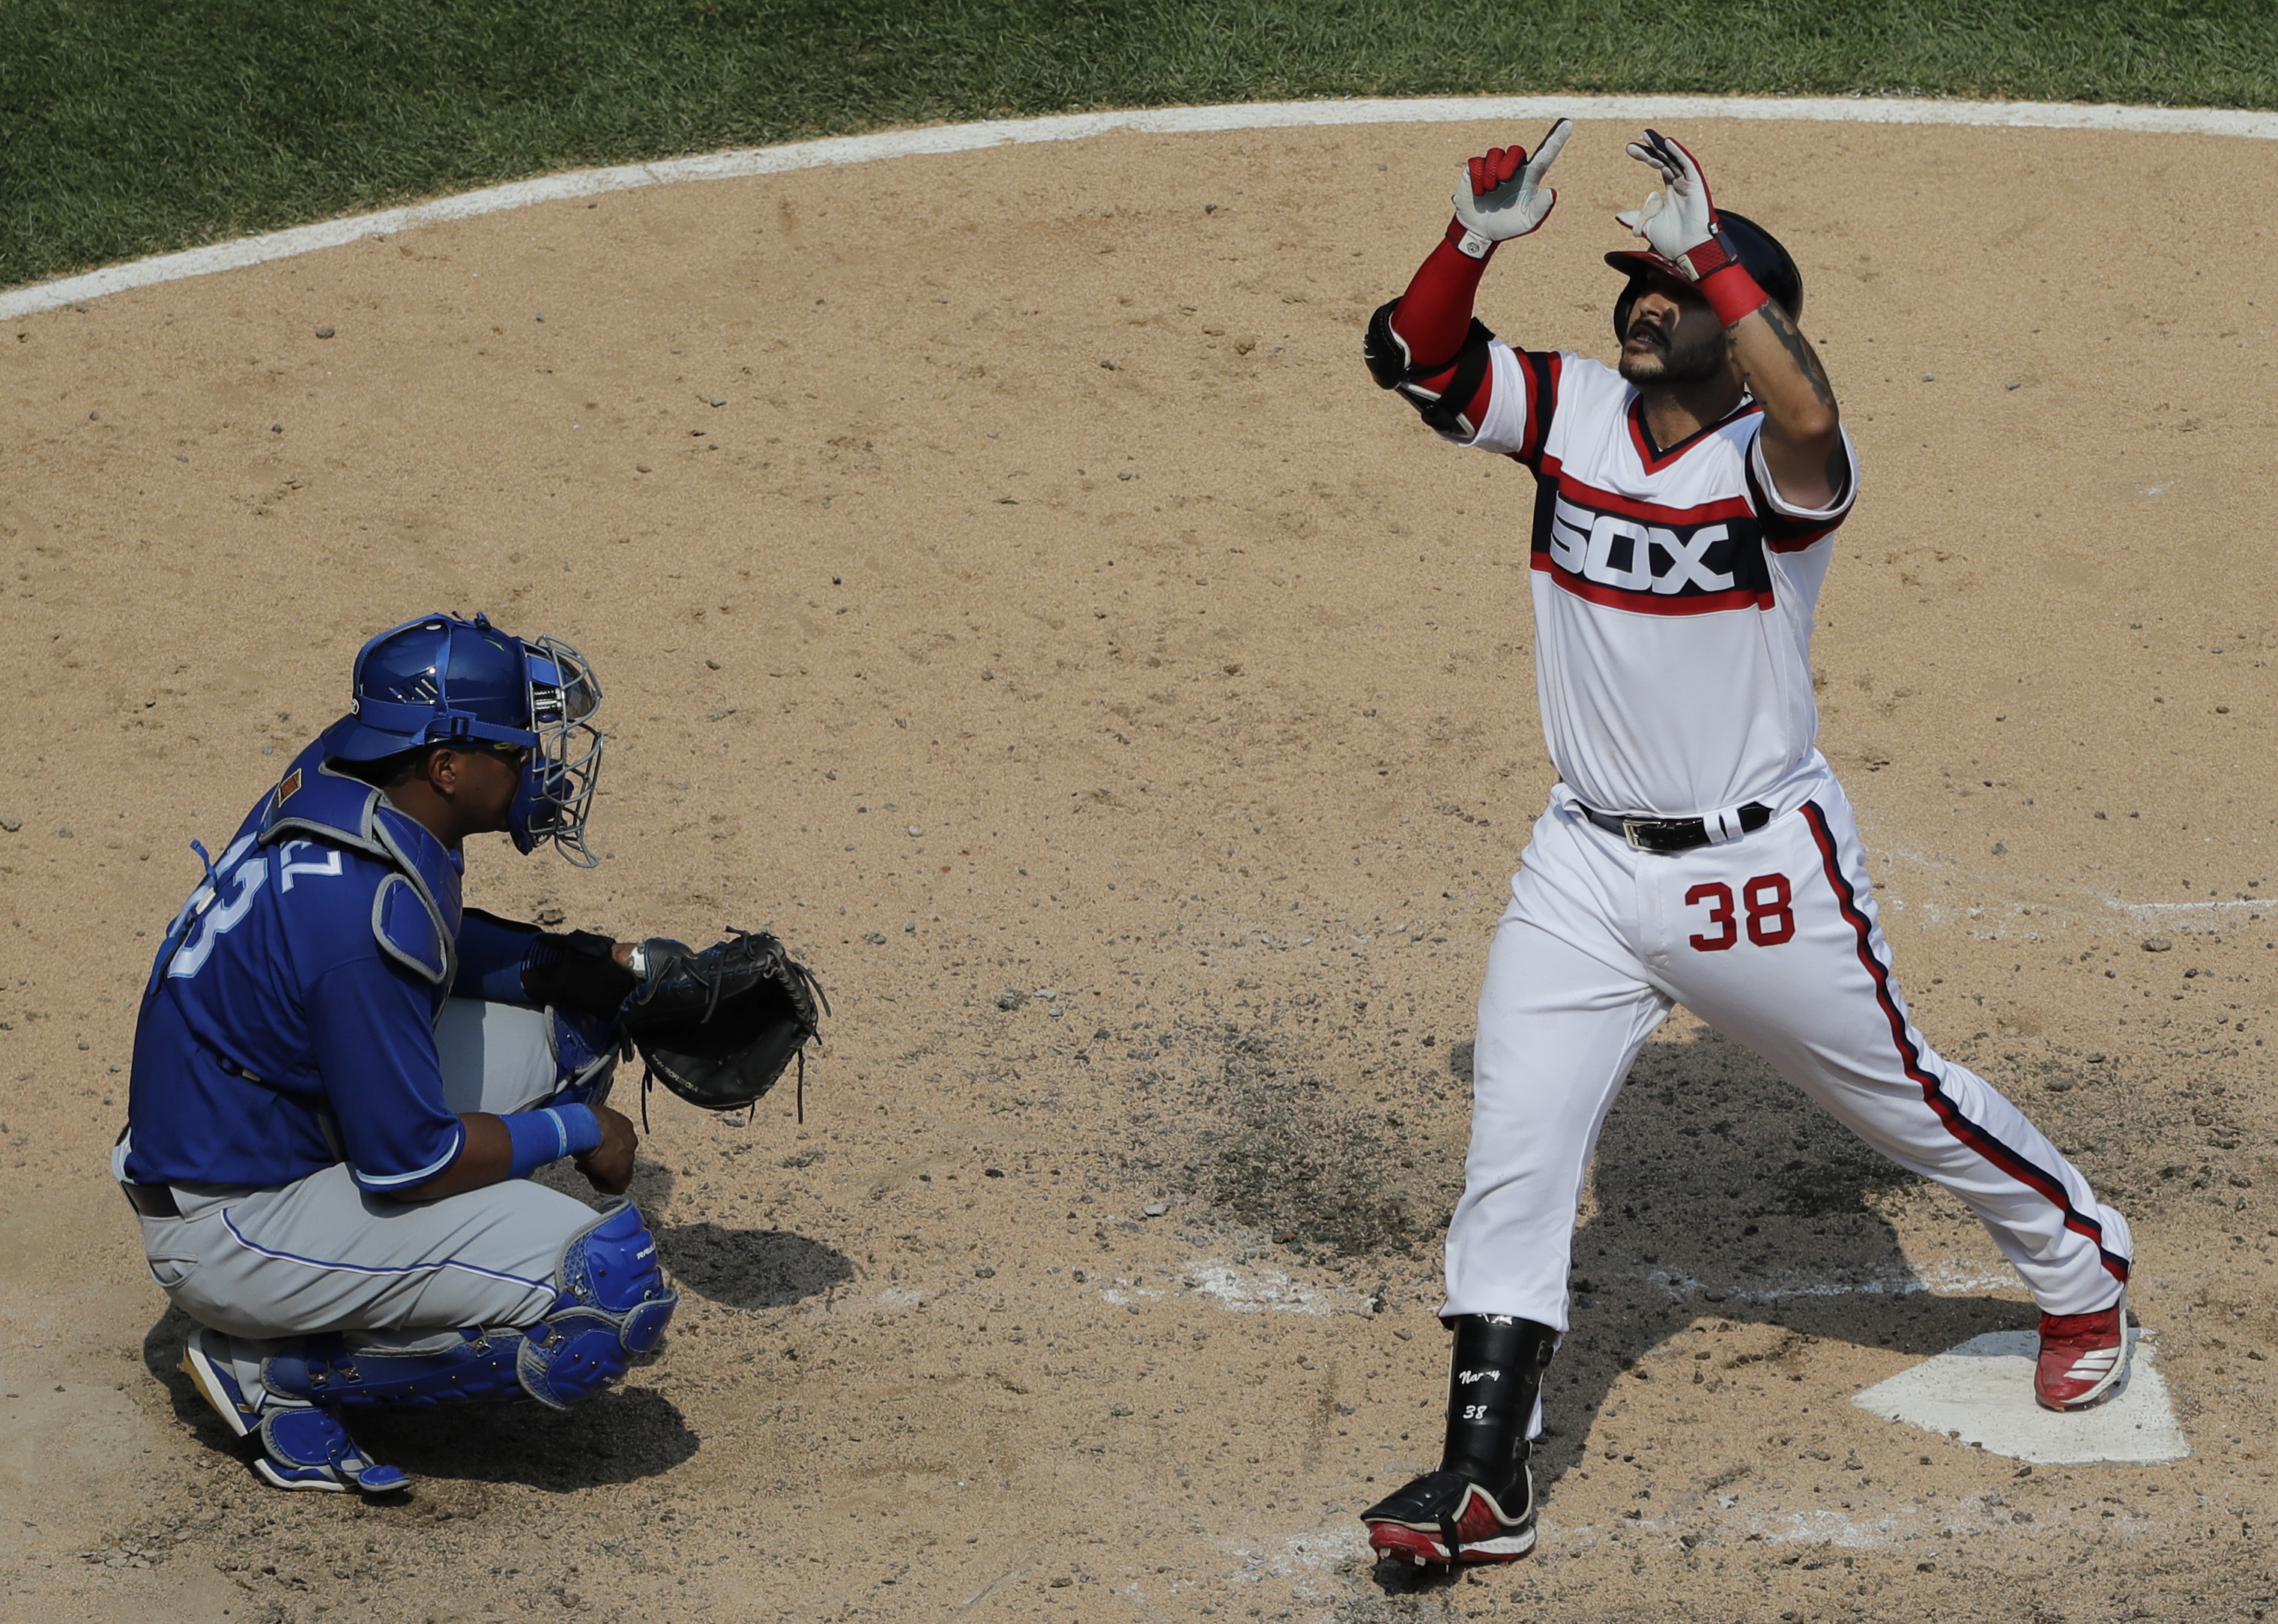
(1697,848)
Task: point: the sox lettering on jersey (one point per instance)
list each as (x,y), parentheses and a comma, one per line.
(1631,555)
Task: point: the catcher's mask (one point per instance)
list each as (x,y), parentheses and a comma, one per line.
(1761,255)
(440,680)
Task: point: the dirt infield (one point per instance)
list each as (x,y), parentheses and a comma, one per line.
(1009,586)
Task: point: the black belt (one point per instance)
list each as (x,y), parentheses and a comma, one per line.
(152,1200)
(1673,834)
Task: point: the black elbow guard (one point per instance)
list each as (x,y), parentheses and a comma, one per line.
(1390,364)
(577,971)
(1383,349)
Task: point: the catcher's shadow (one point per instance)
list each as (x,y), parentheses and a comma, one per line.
(618,1438)
(750,1268)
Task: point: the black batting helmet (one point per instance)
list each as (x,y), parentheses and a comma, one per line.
(1761,254)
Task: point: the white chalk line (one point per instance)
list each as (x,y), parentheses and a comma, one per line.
(2186,918)
(943,139)
(1946,1279)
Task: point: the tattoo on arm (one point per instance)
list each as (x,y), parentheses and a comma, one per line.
(1799,351)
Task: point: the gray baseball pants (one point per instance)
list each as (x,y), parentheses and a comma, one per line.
(319,1255)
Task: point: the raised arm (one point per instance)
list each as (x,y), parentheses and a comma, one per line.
(1802,436)
(1427,343)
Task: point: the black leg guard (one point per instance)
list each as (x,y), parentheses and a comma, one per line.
(1493,1381)
(1479,1506)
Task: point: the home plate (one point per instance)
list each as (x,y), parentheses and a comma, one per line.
(1981,1393)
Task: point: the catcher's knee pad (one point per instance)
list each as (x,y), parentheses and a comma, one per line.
(613,1304)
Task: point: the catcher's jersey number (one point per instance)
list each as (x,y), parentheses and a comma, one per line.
(1769,906)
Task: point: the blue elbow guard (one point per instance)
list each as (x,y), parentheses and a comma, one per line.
(541,1137)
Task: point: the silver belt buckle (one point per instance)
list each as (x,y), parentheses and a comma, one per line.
(1629,833)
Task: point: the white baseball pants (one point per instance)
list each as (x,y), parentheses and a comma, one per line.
(1772,939)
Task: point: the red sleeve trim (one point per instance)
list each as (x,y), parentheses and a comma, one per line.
(1805,540)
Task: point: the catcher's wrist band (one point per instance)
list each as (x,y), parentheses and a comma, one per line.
(544,1137)
(1467,241)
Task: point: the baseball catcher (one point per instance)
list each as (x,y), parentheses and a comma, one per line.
(343,1077)
(1697,848)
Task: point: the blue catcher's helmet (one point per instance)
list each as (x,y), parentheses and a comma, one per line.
(440,680)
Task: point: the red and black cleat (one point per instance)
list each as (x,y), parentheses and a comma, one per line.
(1444,1518)
(2083,1358)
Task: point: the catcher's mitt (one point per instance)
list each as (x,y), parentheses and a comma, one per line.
(718,1027)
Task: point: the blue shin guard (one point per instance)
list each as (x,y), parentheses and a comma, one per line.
(613,1304)
(301,1446)
(453,1368)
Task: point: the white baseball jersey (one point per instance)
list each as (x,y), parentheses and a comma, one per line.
(1673,596)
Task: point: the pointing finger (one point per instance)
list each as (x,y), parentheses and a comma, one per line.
(1547,152)
(1690,167)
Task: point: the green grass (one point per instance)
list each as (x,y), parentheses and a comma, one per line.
(128,126)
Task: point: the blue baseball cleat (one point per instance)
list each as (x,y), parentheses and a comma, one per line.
(206,1361)
(310,1449)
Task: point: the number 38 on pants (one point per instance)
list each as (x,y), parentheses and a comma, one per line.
(1770,911)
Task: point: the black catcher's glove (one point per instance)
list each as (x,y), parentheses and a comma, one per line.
(718,1027)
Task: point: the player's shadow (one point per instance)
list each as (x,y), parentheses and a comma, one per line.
(1723,1192)
(750,1268)
(619,1436)
(742,1269)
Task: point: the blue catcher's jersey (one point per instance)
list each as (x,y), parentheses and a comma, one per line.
(289,1022)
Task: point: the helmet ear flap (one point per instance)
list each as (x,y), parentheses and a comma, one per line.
(1623,306)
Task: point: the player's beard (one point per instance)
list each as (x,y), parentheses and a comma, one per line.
(1692,360)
